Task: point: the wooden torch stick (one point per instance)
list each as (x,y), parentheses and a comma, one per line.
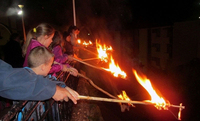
(123,101)
(95,86)
(89,59)
(100,68)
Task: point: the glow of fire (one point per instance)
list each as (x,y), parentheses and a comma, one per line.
(115,69)
(155,98)
(123,96)
(101,52)
(79,41)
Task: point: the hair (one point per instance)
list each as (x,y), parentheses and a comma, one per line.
(39,55)
(71,28)
(57,40)
(65,35)
(41,29)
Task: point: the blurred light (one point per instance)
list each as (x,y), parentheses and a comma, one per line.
(199,17)
(88,34)
(20,12)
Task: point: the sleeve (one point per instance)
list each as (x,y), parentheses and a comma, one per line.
(19,84)
(59,56)
(55,68)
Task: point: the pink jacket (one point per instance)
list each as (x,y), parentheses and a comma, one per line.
(34,43)
(60,58)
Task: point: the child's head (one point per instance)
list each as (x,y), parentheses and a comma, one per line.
(57,40)
(66,36)
(40,60)
(42,33)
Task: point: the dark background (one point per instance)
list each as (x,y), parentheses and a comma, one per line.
(98,16)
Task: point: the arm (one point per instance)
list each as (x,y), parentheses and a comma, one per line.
(19,84)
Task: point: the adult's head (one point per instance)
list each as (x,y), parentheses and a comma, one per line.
(74,30)
(40,60)
(43,33)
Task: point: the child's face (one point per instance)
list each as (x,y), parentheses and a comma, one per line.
(47,67)
(48,40)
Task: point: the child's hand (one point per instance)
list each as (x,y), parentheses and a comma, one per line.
(73,71)
(70,58)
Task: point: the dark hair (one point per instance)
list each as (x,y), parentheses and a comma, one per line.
(39,55)
(41,29)
(71,28)
(65,35)
(57,40)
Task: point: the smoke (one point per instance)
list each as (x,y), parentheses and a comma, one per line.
(9,7)
(12,11)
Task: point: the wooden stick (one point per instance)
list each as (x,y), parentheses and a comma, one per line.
(100,68)
(90,59)
(124,101)
(95,86)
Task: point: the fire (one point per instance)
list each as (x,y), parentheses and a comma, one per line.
(155,98)
(115,69)
(102,52)
(123,96)
(79,41)
(84,42)
(87,43)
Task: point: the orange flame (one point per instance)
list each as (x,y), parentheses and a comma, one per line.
(115,69)
(102,52)
(123,96)
(155,98)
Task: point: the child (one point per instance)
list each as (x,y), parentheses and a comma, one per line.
(57,48)
(40,36)
(13,85)
(40,60)
(68,47)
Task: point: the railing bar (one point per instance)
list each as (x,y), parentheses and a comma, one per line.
(13,111)
(30,111)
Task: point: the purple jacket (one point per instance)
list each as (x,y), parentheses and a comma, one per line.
(60,58)
(32,44)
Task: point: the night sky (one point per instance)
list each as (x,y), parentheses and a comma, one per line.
(116,14)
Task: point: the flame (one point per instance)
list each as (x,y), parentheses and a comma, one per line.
(115,69)
(87,43)
(79,41)
(102,52)
(123,96)
(155,98)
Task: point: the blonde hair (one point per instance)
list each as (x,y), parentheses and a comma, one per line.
(41,29)
(39,55)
